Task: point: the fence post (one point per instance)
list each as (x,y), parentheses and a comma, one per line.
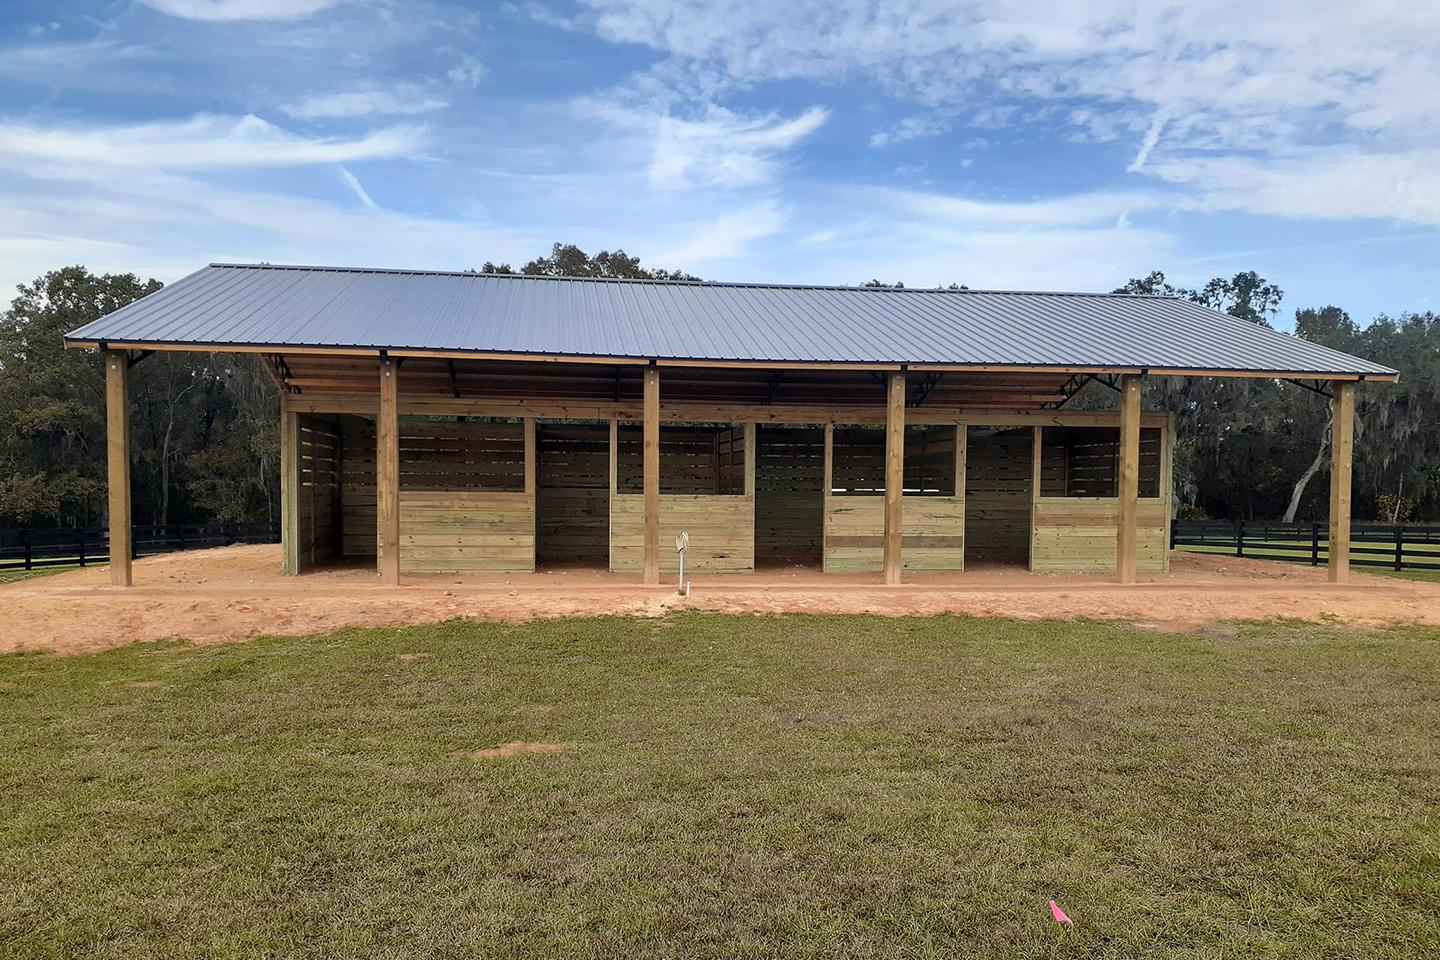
(80,542)
(1314,544)
(1239,538)
(25,536)
(1399,548)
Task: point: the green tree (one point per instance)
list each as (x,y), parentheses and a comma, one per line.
(52,441)
(568,260)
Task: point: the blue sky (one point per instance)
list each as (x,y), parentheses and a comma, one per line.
(1031,144)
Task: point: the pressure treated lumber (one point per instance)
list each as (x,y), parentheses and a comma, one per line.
(1127,525)
(651,470)
(387,474)
(117,452)
(1342,449)
(894,477)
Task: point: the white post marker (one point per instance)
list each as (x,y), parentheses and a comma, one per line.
(681,542)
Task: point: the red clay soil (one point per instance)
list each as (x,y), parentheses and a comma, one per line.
(237,592)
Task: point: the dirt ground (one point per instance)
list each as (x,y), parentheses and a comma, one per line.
(238,592)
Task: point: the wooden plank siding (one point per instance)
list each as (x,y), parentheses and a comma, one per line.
(452,531)
(933,533)
(1078,535)
(721,528)
(789,495)
(318,526)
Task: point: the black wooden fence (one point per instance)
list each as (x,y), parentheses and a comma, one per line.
(1371,545)
(30,549)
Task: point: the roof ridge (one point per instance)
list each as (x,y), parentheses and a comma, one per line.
(754,285)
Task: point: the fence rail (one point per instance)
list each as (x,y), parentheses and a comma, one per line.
(32,549)
(1371,545)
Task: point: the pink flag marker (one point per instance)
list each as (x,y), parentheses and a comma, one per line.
(1060,914)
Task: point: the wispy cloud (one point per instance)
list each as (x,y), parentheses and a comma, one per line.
(718,148)
(354,184)
(202,142)
(408,99)
(241,9)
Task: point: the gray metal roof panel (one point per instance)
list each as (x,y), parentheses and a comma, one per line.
(282,307)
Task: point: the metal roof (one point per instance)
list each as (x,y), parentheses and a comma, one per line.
(291,308)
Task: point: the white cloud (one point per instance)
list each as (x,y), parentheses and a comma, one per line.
(721,148)
(407,99)
(727,237)
(354,184)
(202,142)
(910,128)
(467,74)
(1192,84)
(241,9)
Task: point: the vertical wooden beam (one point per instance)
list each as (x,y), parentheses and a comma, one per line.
(750,453)
(652,476)
(308,478)
(1037,463)
(289,488)
(962,452)
(614,486)
(1167,480)
(894,475)
(1342,449)
(962,438)
(532,484)
(387,472)
(825,494)
(1127,532)
(117,452)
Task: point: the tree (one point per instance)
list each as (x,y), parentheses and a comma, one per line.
(568,260)
(203,426)
(52,441)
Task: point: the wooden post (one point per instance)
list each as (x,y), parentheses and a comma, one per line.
(829,481)
(962,451)
(387,472)
(117,452)
(1342,449)
(1128,494)
(532,484)
(1037,462)
(614,487)
(750,453)
(289,489)
(894,476)
(652,476)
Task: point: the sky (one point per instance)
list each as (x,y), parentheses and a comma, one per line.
(1025,144)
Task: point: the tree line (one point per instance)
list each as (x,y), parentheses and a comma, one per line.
(205,426)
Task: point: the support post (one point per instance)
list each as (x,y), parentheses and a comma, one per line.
(1342,449)
(117,452)
(387,472)
(894,475)
(750,454)
(652,476)
(289,488)
(1127,534)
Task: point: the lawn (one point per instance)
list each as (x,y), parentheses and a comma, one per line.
(729,787)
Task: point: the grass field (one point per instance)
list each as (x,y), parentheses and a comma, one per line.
(729,787)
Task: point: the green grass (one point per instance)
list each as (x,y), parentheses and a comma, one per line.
(16,574)
(734,787)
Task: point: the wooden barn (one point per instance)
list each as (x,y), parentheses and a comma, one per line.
(439,422)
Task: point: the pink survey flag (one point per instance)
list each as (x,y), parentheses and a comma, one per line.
(1060,914)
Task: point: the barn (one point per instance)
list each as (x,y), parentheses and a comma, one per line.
(441,421)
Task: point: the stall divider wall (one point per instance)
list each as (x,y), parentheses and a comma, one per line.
(721,526)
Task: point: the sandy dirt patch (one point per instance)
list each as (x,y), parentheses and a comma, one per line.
(511,749)
(232,593)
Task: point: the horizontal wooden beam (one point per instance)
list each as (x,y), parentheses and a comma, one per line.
(681,412)
(299,351)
